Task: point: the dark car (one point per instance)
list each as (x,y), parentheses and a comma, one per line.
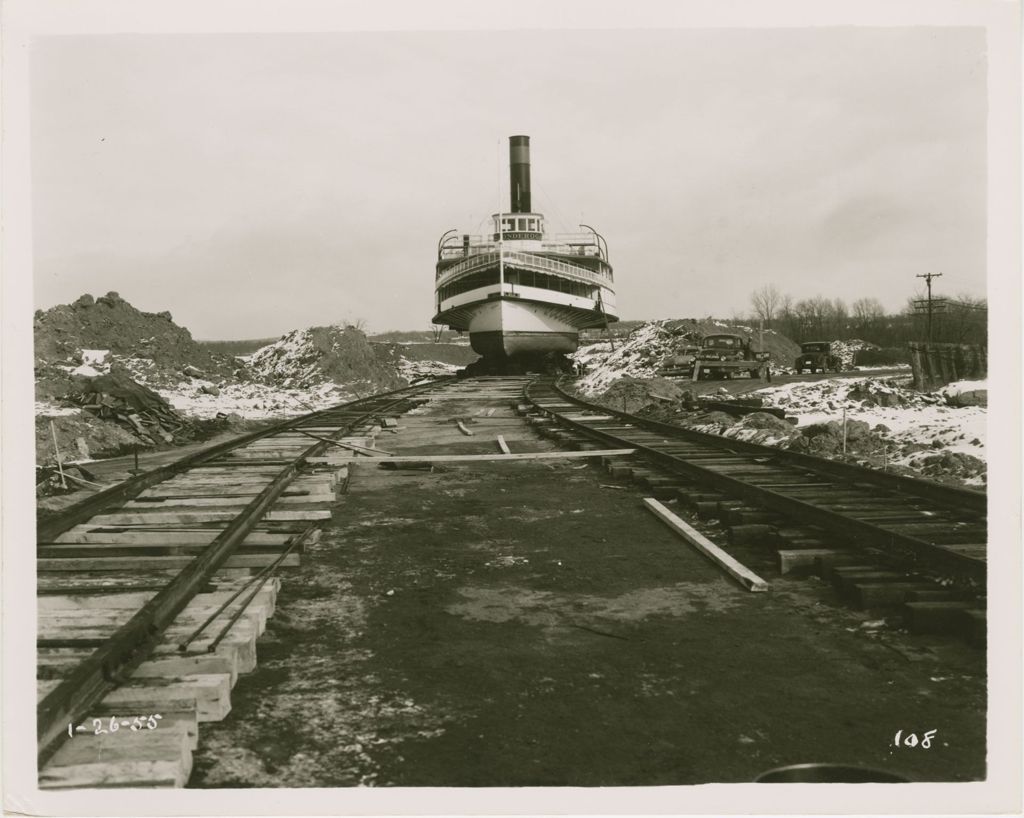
(816,356)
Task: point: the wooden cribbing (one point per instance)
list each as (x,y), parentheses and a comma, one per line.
(747,578)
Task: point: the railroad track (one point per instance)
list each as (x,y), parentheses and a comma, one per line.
(151,594)
(910,523)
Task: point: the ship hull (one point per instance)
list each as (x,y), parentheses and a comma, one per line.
(509,327)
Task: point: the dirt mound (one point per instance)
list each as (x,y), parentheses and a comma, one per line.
(111,323)
(318,355)
(457,354)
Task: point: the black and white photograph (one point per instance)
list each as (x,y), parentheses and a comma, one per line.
(545,408)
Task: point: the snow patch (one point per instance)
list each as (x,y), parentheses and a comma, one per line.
(45,409)
(910,418)
(95,356)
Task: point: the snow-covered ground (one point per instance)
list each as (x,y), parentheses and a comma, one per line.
(639,356)
(414,371)
(908,417)
(292,359)
(45,409)
(300,384)
(252,401)
(960,388)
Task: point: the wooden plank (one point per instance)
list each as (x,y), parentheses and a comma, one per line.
(747,578)
(180,517)
(503,458)
(137,759)
(176,536)
(55,627)
(129,563)
(463,429)
(231,501)
(80,550)
(212,692)
(503,445)
(70,622)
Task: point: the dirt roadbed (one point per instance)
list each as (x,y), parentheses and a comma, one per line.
(529,623)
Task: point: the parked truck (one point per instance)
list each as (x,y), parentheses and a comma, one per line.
(681,364)
(723,355)
(817,356)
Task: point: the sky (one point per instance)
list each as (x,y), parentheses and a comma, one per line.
(254,184)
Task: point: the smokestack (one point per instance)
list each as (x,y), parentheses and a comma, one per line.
(519,173)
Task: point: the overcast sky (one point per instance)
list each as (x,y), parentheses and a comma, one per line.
(252,184)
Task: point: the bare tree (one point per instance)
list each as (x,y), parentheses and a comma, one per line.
(868,316)
(965,320)
(766,301)
(354,323)
(866,310)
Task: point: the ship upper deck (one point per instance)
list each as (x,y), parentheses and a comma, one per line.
(578,255)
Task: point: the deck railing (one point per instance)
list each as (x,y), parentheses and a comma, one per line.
(583,244)
(528,261)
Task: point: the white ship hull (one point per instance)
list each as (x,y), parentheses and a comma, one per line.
(508,327)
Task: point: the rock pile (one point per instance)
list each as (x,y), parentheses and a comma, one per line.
(633,395)
(847,350)
(965,393)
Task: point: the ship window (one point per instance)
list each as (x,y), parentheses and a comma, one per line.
(533,225)
(529,278)
(522,224)
(485,278)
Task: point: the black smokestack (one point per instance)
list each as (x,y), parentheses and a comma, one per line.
(519,173)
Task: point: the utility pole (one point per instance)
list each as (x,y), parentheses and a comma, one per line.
(928,279)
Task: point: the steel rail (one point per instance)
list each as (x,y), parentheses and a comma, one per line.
(889,543)
(105,668)
(49,529)
(967,499)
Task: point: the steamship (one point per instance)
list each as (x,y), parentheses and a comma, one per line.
(520,291)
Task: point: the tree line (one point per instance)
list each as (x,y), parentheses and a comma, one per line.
(960,320)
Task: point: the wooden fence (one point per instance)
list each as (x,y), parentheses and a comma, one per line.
(938,364)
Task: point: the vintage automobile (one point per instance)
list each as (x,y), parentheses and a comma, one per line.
(724,354)
(680,364)
(817,356)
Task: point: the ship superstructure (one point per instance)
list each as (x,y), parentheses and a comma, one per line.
(520,291)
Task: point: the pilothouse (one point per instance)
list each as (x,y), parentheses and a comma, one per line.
(520,292)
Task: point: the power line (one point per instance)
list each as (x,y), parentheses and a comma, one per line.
(928,279)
